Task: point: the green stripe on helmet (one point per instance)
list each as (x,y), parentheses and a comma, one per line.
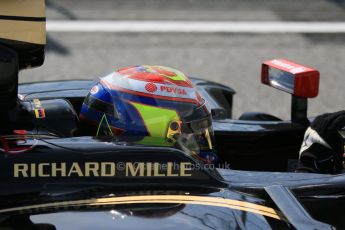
(156,119)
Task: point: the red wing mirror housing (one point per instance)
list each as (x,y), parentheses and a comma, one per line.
(291,77)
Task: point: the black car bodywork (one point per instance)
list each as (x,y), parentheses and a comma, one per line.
(38,189)
(86,176)
(52,177)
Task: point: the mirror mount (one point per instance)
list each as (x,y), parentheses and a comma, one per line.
(300,81)
(299,109)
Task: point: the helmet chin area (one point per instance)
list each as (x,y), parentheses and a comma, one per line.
(195,141)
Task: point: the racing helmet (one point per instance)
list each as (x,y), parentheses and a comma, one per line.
(158,104)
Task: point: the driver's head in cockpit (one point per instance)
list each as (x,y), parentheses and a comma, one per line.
(159,104)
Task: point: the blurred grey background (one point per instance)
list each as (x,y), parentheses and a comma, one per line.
(230,58)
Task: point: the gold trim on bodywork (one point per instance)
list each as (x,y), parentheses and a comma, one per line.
(22,8)
(21,24)
(23,31)
(184,199)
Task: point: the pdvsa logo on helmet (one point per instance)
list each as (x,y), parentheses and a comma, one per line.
(94,90)
(174,90)
(150,87)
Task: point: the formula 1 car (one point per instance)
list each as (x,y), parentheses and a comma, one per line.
(273,143)
(53,177)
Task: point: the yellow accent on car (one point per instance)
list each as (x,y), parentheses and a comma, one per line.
(159,199)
